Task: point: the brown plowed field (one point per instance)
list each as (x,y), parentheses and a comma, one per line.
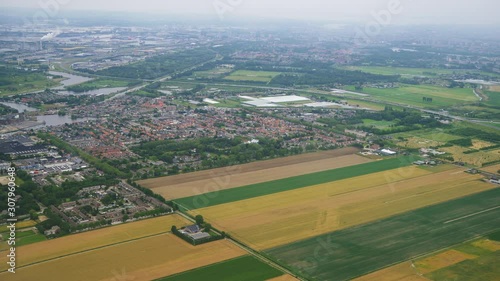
(230,177)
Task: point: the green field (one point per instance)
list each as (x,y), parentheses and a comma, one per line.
(406,71)
(266,188)
(245,268)
(484,267)
(25,237)
(429,134)
(413,95)
(15,81)
(210,74)
(493,98)
(357,251)
(378,124)
(252,76)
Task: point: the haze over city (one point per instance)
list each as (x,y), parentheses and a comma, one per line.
(249,140)
(413,12)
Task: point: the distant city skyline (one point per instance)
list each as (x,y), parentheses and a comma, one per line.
(408,11)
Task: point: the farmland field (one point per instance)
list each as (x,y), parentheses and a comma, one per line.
(266,188)
(210,74)
(400,272)
(406,71)
(476,159)
(22,238)
(19,225)
(473,260)
(377,124)
(93,239)
(493,97)
(190,184)
(144,259)
(253,76)
(492,169)
(285,217)
(357,251)
(246,268)
(413,95)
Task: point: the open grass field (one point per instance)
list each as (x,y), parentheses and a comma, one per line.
(253,76)
(27,82)
(271,187)
(378,124)
(357,251)
(285,217)
(226,178)
(406,71)
(414,94)
(493,97)
(22,238)
(213,73)
(93,239)
(144,259)
(246,268)
(477,159)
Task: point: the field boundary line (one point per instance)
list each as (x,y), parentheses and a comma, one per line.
(471,215)
(90,250)
(482,236)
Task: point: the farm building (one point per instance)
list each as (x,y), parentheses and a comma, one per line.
(192,229)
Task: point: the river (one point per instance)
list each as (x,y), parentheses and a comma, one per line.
(70,81)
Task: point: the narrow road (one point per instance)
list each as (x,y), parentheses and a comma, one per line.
(251,251)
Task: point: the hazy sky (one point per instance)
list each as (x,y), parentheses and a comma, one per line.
(413,11)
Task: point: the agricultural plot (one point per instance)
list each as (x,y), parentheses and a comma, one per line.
(246,268)
(493,96)
(226,178)
(281,218)
(401,272)
(210,74)
(356,251)
(144,259)
(492,169)
(477,159)
(414,95)
(252,76)
(86,241)
(22,238)
(377,124)
(405,71)
(261,189)
(19,225)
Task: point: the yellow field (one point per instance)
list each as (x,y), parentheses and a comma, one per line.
(486,244)
(93,239)
(284,278)
(145,259)
(19,225)
(476,159)
(416,142)
(281,218)
(400,272)
(442,260)
(479,144)
(495,88)
(492,169)
(225,178)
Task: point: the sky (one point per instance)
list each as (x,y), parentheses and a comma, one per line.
(402,12)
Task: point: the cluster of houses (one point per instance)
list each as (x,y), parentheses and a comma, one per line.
(128,201)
